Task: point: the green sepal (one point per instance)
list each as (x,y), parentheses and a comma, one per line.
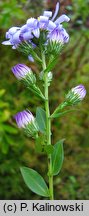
(34,181)
(54,48)
(72,98)
(41,119)
(31,129)
(57,157)
(30,83)
(27,49)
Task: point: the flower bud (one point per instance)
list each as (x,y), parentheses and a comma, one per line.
(26,120)
(24,73)
(56,39)
(76,94)
(20,71)
(59,35)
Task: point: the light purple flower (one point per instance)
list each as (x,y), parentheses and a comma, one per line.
(13,36)
(79,91)
(33,27)
(59,36)
(23,118)
(20,71)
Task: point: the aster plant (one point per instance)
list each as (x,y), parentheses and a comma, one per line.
(41,40)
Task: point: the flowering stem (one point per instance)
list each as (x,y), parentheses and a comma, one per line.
(48,128)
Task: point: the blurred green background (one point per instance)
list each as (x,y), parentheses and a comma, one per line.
(72,69)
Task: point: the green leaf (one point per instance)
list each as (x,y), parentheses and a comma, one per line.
(10,129)
(5,147)
(51,65)
(41,119)
(35,89)
(34,181)
(57,115)
(57,157)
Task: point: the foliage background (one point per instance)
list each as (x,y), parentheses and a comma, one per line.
(72,69)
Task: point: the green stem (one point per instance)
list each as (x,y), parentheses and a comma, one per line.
(48,128)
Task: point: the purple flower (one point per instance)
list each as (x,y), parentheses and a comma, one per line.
(33,27)
(23,118)
(20,71)
(59,36)
(75,95)
(13,36)
(79,91)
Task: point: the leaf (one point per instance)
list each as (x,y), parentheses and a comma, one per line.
(10,129)
(34,181)
(36,91)
(5,147)
(56,115)
(41,119)
(51,65)
(57,157)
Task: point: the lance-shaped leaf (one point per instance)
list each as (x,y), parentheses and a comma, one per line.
(35,181)
(41,119)
(54,115)
(51,65)
(57,157)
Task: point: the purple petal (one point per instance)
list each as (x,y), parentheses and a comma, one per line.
(6,42)
(30,58)
(62,18)
(23,118)
(14,47)
(43,19)
(16,38)
(56,11)
(24,28)
(32,23)
(80,91)
(47,13)
(20,71)
(13,30)
(51,25)
(36,32)
(26,36)
(8,35)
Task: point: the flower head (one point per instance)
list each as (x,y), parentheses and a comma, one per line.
(79,91)
(34,26)
(20,71)
(23,118)
(76,94)
(13,36)
(59,36)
